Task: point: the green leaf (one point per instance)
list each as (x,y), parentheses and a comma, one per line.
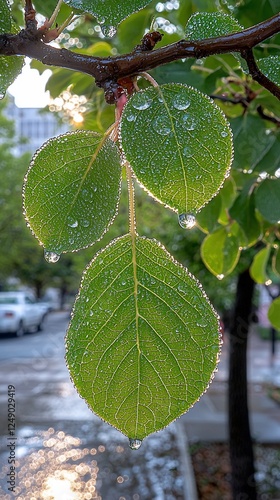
(143,340)
(276,262)
(46,9)
(256,148)
(71,190)
(210,25)
(227,194)
(178,143)
(274,313)
(270,66)
(207,219)
(5,18)
(109,12)
(239,233)
(220,252)
(243,211)
(268,200)
(259,265)
(10,67)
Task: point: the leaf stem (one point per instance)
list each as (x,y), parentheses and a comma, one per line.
(148,77)
(131,200)
(55,13)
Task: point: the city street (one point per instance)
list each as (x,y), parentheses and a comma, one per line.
(63,451)
(45,344)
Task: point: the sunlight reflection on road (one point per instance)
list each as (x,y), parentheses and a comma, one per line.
(58,465)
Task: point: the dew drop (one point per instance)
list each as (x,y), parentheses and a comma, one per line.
(73,223)
(131,118)
(220,276)
(109,31)
(141,101)
(181,103)
(188,122)
(187,221)
(51,257)
(162,125)
(224,134)
(135,444)
(85,223)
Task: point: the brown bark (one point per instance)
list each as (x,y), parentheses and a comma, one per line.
(241,446)
(107,71)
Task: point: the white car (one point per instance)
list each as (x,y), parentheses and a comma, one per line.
(20,313)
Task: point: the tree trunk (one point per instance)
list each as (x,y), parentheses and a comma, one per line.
(39,287)
(241,447)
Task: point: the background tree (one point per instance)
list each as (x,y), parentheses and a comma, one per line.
(240,70)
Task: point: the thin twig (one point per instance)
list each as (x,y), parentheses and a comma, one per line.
(270,118)
(257,74)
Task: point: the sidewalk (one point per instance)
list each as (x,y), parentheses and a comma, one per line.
(207,420)
(64,449)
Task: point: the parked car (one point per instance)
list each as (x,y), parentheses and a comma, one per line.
(20,313)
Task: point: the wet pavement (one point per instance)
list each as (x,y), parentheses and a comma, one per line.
(207,420)
(64,452)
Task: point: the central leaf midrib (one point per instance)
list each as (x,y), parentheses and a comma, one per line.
(178,146)
(135,280)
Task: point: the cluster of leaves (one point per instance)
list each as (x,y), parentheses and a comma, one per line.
(143,341)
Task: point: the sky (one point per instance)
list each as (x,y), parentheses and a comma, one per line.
(29,88)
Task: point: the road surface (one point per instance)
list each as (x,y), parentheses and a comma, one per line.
(64,451)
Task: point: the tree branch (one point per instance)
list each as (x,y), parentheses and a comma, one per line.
(257,74)
(107,71)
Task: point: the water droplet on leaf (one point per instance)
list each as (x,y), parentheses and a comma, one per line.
(51,257)
(135,444)
(130,118)
(162,125)
(220,276)
(181,103)
(224,134)
(188,122)
(73,223)
(141,101)
(109,31)
(187,221)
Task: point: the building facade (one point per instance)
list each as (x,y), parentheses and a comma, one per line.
(33,127)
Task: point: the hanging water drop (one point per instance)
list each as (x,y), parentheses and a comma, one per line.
(135,444)
(109,31)
(187,221)
(220,276)
(51,257)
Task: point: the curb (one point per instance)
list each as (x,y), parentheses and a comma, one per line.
(189,483)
